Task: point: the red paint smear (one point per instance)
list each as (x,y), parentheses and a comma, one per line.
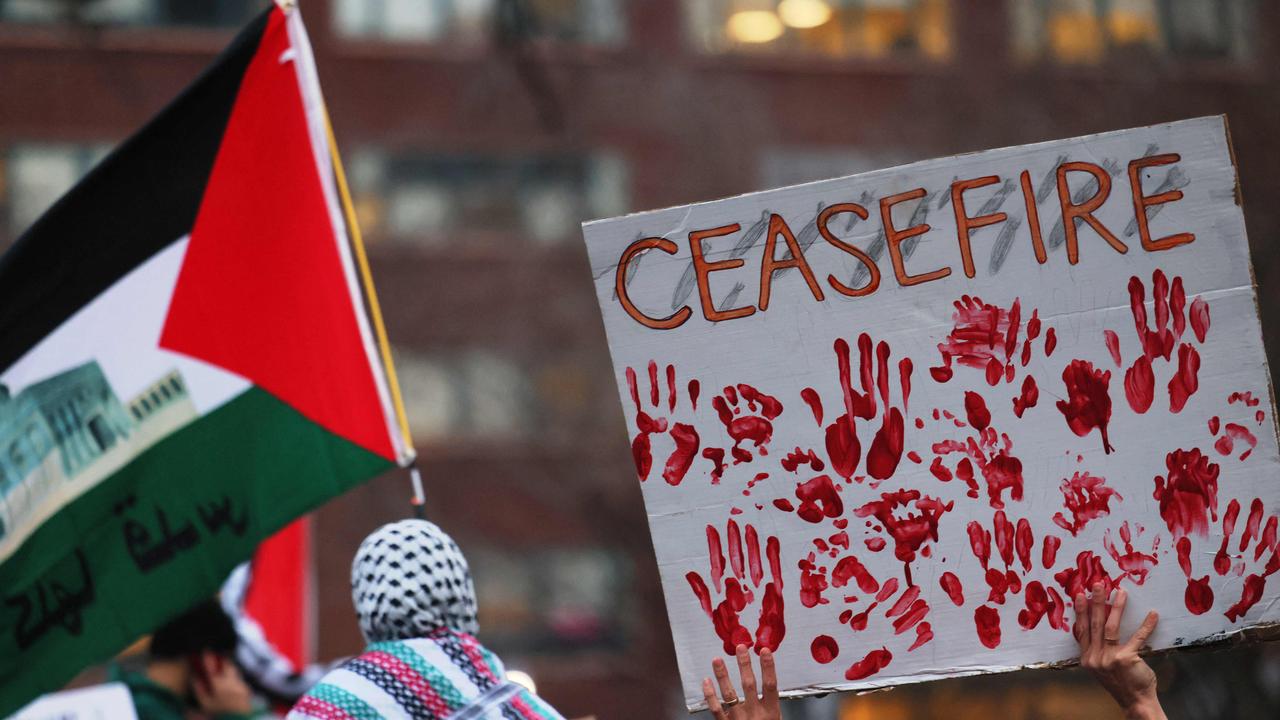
(1158,342)
(914,457)
(919,423)
(1199,596)
(818,499)
(975,410)
(1041,602)
(1028,398)
(1213,427)
(753,556)
(1022,542)
(671,388)
(631,385)
(1050,341)
(716,456)
(917,612)
(859,622)
(798,457)
(951,586)
(1252,525)
(874,544)
(874,662)
(980,542)
(1113,345)
(911,531)
(1049,551)
(653,383)
(840,539)
(999,468)
(1133,564)
(824,648)
(810,397)
(735,548)
(1200,318)
(1259,416)
(1087,573)
(887,590)
(1235,433)
(987,621)
(939,470)
(1250,595)
(1185,381)
(1268,541)
(1088,404)
(984,337)
(1140,385)
(909,596)
(1184,555)
(924,633)
(695,388)
(1002,529)
(681,458)
(1086,497)
(813,582)
(1190,493)
(1245,397)
(783,504)
(1222,561)
(851,567)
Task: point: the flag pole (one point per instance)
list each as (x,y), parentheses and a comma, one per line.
(375,312)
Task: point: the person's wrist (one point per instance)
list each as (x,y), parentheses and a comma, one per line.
(1144,707)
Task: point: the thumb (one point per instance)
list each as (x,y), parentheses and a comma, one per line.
(1144,631)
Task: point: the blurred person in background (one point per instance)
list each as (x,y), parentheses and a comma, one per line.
(1116,665)
(416,606)
(189,666)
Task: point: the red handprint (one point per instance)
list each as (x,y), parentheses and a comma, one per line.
(1086,497)
(755,425)
(1134,564)
(985,337)
(1235,435)
(747,572)
(683,435)
(1015,545)
(844,449)
(1264,544)
(1159,341)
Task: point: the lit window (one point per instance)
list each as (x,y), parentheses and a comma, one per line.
(36,175)
(434,199)
(1088,31)
(226,14)
(588,22)
(837,28)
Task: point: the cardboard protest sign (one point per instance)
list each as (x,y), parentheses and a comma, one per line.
(889,424)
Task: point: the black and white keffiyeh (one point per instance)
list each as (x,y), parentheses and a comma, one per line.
(409,579)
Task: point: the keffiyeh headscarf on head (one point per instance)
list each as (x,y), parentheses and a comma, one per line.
(408,580)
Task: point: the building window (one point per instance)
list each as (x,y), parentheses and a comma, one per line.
(431,199)
(227,14)
(586,22)
(37,174)
(1089,31)
(475,394)
(555,600)
(870,29)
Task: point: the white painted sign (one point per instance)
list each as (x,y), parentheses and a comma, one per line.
(889,424)
(110,701)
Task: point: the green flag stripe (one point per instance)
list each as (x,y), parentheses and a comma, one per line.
(159,534)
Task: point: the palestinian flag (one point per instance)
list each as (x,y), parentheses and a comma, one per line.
(186,364)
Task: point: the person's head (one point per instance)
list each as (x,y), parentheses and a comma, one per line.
(203,628)
(409,580)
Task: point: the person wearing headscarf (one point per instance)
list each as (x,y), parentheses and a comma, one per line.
(416,606)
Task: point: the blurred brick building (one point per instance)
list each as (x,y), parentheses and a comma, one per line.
(478,133)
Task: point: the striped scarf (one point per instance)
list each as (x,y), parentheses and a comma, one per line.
(444,675)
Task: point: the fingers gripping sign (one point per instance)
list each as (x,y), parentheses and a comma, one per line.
(1116,663)
(751,706)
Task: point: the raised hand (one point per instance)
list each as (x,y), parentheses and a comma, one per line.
(739,589)
(750,707)
(1117,665)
